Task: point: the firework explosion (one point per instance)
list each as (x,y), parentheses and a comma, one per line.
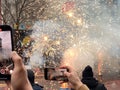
(78,33)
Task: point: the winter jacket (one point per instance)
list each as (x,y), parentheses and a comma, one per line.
(31,78)
(37,87)
(93,84)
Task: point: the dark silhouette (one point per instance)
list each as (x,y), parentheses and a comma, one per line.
(31,78)
(89,79)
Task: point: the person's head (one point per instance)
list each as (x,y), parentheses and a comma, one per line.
(31,76)
(87,72)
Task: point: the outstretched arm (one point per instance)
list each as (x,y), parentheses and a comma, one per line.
(19,80)
(73,79)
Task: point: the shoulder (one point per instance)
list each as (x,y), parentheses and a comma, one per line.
(101,86)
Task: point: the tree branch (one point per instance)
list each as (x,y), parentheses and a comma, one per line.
(9,11)
(21,9)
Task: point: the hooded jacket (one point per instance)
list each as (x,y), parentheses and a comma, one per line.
(90,81)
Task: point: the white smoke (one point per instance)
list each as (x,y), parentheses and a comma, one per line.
(99,32)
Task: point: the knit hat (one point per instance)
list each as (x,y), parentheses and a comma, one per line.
(87,72)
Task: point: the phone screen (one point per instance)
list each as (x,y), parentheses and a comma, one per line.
(5,40)
(6,64)
(55,74)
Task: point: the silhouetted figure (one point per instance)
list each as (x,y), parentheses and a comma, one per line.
(90,81)
(31,78)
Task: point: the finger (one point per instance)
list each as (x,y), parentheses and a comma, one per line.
(67,74)
(60,82)
(17,60)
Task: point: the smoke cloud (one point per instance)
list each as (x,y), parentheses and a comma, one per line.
(88,33)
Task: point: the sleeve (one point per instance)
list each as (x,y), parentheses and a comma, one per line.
(101,86)
(83,87)
(104,88)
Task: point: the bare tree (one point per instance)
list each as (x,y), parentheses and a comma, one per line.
(21,11)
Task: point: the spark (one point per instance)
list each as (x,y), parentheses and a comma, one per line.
(79,22)
(45,38)
(58,42)
(70,14)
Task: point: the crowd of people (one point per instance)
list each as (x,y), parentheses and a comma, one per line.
(22,79)
(19,77)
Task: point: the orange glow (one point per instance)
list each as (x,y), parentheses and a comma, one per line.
(100,62)
(64,85)
(70,53)
(70,56)
(99,67)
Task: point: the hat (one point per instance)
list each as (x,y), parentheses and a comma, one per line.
(87,72)
(31,75)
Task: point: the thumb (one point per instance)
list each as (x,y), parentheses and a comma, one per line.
(17,60)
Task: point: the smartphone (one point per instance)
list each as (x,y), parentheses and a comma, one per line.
(6,47)
(55,74)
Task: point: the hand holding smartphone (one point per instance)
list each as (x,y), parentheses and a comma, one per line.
(6,47)
(55,74)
